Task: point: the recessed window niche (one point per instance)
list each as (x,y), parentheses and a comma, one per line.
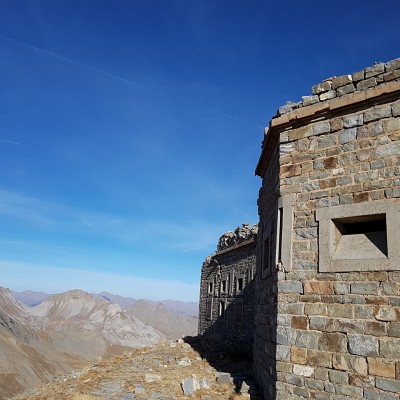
(359,237)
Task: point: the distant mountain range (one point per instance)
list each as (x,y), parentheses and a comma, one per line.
(191,309)
(42,335)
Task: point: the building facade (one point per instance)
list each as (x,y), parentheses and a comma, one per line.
(227,289)
(327,285)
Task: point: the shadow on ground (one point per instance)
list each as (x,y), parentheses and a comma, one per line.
(224,358)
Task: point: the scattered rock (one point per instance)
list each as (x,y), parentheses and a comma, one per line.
(223,378)
(184,362)
(152,378)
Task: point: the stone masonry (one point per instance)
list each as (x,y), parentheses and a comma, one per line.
(327,285)
(227,289)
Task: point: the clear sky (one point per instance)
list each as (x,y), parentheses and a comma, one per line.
(130,129)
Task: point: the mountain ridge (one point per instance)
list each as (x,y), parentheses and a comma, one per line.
(64,332)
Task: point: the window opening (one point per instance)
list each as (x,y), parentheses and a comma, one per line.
(209,304)
(240,284)
(222,308)
(360,237)
(223,286)
(280,231)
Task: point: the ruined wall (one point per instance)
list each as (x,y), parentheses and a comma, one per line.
(327,309)
(227,289)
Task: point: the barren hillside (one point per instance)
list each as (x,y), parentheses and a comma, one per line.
(65,332)
(166,371)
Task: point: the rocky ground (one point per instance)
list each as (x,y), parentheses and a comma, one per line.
(197,368)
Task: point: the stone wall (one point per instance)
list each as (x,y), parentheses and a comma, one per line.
(227,289)
(327,317)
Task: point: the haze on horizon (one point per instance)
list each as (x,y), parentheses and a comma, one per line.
(131,129)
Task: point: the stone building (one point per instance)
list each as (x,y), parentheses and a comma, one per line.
(327,313)
(227,289)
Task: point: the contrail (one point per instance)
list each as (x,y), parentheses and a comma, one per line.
(237,118)
(121,79)
(71,61)
(8,141)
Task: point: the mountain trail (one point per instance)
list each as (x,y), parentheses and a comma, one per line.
(166,371)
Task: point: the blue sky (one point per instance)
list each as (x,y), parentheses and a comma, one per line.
(130,129)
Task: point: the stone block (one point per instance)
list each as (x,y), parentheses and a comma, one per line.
(315,309)
(321,374)
(367,83)
(363,345)
(287,108)
(336,124)
(390,385)
(333,342)
(338,377)
(358,76)
(390,348)
(363,312)
(283,335)
(322,87)
(307,339)
(349,325)
(346,362)
(364,154)
(318,287)
(394,329)
(392,192)
(322,324)
(319,358)
(353,120)
(347,135)
(341,288)
(364,288)
(188,386)
(396,109)
(391,125)
(290,287)
(343,80)
(387,314)
(223,378)
(287,171)
(330,163)
(303,370)
(376,69)
(392,65)
(375,328)
(321,127)
(363,381)
(350,88)
(349,391)
(299,322)
(391,76)
(327,95)
(381,367)
(308,100)
(341,310)
(282,353)
(327,140)
(314,384)
(371,394)
(378,112)
(298,355)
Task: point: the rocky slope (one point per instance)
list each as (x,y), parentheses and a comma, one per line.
(78,311)
(174,319)
(172,325)
(166,371)
(64,332)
